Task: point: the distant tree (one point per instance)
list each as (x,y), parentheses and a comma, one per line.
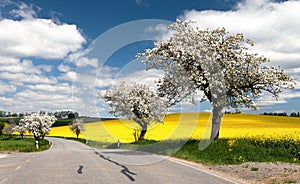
(2,113)
(294,114)
(20,129)
(77,126)
(8,130)
(72,115)
(14,114)
(137,102)
(216,63)
(38,125)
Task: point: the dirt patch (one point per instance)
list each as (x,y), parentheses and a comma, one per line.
(253,172)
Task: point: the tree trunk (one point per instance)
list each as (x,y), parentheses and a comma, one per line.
(216,123)
(143,132)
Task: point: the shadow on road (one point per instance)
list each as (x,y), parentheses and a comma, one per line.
(79,171)
(124,170)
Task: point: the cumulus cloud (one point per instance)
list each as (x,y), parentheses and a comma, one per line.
(38,38)
(4,87)
(62,87)
(85,61)
(29,86)
(274,26)
(27,78)
(19,66)
(63,68)
(69,76)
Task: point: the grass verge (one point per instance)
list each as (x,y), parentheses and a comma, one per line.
(237,151)
(16,143)
(222,151)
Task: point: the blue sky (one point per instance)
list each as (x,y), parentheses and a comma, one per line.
(52,54)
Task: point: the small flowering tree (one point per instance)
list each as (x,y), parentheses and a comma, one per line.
(38,125)
(77,126)
(216,63)
(137,102)
(20,129)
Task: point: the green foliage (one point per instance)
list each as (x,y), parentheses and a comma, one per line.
(2,125)
(16,143)
(225,151)
(236,151)
(62,122)
(16,120)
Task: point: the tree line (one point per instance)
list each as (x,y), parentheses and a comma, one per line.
(57,114)
(292,114)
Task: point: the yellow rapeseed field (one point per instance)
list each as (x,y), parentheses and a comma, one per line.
(191,125)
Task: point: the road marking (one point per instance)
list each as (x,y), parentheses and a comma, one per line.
(202,170)
(19,167)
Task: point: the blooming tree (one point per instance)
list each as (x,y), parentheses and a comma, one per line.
(20,129)
(217,63)
(38,125)
(137,102)
(77,126)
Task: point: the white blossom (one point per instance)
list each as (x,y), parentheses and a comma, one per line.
(215,62)
(77,126)
(137,102)
(20,129)
(38,125)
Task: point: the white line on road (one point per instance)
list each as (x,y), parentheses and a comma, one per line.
(202,170)
(19,167)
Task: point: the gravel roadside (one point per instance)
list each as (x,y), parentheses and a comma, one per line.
(253,172)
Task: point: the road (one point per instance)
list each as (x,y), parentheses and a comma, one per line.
(72,162)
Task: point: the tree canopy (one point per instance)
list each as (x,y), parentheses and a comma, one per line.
(38,125)
(137,102)
(217,63)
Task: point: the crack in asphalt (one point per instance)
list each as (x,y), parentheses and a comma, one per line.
(125,169)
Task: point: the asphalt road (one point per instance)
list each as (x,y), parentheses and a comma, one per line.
(72,162)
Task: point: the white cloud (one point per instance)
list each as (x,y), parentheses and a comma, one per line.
(27,78)
(25,11)
(274,26)
(84,61)
(38,38)
(62,87)
(18,66)
(69,76)
(4,87)
(46,68)
(267,100)
(64,68)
